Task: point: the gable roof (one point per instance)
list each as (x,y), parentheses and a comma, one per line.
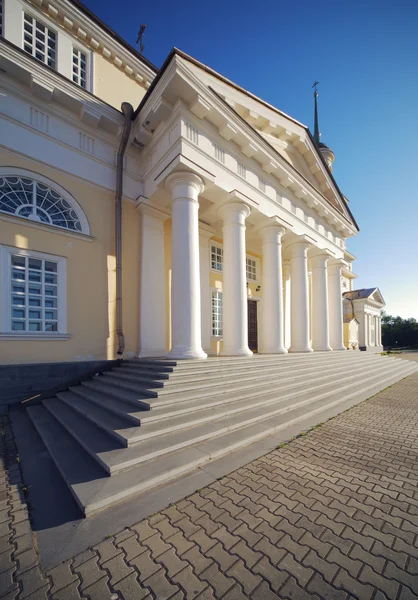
(363,293)
(344,209)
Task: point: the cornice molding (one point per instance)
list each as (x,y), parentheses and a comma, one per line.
(73,20)
(234,128)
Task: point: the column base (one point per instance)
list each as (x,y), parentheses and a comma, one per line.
(236,352)
(304,349)
(152,353)
(186,353)
(273,351)
(326,349)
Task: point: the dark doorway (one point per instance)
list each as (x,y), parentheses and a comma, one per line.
(252,326)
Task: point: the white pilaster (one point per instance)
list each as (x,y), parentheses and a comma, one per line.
(366,330)
(286,301)
(272,313)
(205,234)
(300,297)
(152,294)
(185,287)
(235,310)
(335,304)
(379,329)
(320,317)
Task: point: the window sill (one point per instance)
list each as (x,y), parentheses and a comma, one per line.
(34,336)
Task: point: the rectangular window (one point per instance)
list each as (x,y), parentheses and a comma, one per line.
(217,316)
(216,258)
(79,68)
(34,288)
(39,41)
(251,269)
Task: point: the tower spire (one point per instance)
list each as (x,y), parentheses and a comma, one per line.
(317,134)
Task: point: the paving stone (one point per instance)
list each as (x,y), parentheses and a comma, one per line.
(98,590)
(389,586)
(62,576)
(145,565)
(319,586)
(117,568)
(7,562)
(275,576)
(293,591)
(107,550)
(160,586)
(344,581)
(188,581)
(90,572)
(31,581)
(300,572)
(70,592)
(131,547)
(217,580)
(7,581)
(130,589)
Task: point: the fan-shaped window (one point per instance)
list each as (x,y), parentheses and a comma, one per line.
(35,199)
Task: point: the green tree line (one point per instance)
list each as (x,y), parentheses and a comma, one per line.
(398,332)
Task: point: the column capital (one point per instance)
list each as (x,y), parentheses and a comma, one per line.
(319,258)
(237,210)
(336,265)
(300,247)
(146,209)
(179,179)
(272,228)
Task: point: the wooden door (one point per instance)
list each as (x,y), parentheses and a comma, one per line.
(252,326)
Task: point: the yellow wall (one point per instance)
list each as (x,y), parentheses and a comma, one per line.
(90,275)
(216,281)
(113,85)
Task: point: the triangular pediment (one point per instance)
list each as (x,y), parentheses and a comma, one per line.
(289,138)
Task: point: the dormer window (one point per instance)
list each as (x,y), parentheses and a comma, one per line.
(40,41)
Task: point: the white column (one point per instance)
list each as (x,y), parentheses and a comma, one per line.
(300,297)
(320,317)
(152,292)
(235,310)
(379,329)
(205,300)
(185,286)
(335,305)
(366,330)
(272,286)
(286,301)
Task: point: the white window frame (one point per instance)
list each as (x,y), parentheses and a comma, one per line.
(24,173)
(80,50)
(48,28)
(257,268)
(217,336)
(6,253)
(220,247)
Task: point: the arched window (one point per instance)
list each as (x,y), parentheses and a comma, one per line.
(31,196)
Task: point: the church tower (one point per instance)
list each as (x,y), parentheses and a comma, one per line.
(326,152)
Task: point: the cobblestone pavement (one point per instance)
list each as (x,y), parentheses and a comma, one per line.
(331,515)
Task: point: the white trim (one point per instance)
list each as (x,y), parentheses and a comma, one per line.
(5,308)
(45,227)
(26,335)
(216,245)
(17,172)
(217,291)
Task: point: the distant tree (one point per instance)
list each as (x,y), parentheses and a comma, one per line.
(398,332)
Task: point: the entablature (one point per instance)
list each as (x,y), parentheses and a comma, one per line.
(208,115)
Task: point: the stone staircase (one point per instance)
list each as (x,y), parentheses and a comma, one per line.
(150,421)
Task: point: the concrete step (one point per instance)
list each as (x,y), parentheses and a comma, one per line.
(215,364)
(155,444)
(94,491)
(211,384)
(182,414)
(137,375)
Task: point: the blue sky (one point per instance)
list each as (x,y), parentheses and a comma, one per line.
(364,53)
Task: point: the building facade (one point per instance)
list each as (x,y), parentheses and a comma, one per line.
(233,230)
